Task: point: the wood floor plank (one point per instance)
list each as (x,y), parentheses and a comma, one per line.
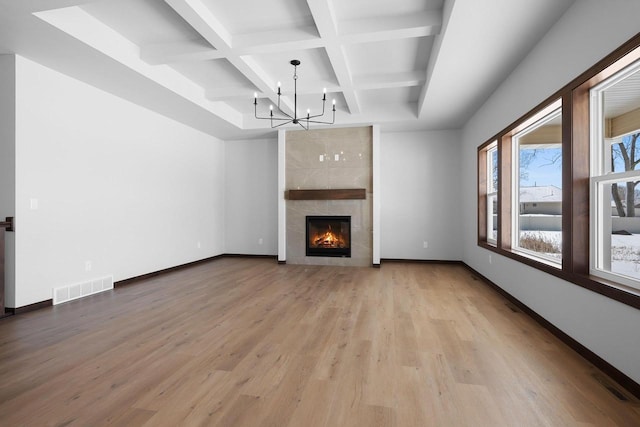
(247,342)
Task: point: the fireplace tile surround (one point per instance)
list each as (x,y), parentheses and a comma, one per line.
(311,163)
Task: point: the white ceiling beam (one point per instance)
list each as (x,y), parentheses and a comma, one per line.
(199,16)
(170,53)
(226,93)
(299,38)
(262,47)
(436,50)
(78,23)
(391,80)
(325,19)
(392,28)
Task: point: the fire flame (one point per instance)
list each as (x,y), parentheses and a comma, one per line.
(329,239)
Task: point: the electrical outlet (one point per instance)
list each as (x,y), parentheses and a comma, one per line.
(199,245)
(87,266)
(425,244)
(490,259)
(260,241)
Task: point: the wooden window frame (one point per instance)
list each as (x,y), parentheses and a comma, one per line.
(575,182)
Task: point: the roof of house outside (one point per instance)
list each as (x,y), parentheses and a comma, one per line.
(545,193)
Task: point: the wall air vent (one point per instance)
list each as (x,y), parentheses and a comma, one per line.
(83,289)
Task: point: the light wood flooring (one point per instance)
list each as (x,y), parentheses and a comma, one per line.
(247,342)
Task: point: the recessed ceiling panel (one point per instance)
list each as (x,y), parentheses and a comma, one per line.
(390,56)
(249,16)
(375,99)
(143,22)
(314,69)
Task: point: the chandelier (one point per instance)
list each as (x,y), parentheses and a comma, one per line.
(281,118)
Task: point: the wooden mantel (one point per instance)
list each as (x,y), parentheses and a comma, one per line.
(333,194)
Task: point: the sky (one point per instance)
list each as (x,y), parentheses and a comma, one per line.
(542,170)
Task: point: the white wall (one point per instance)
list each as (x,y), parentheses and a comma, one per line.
(251,197)
(585,34)
(420,187)
(118,185)
(7,165)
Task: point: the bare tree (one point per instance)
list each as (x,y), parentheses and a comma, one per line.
(627,152)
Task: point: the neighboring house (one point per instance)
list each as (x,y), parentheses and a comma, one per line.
(540,208)
(543,200)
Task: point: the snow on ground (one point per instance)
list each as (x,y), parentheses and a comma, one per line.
(625,255)
(625,250)
(554,238)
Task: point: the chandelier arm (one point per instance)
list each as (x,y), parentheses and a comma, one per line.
(272,118)
(313,117)
(288,118)
(280,109)
(323,111)
(281,124)
(321,122)
(324,101)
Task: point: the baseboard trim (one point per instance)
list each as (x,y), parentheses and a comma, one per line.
(621,378)
(126,282)
(421,261)
(27,308)
(249,256)
(134,279)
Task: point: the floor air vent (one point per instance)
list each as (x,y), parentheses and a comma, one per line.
(614,389)
(79,290)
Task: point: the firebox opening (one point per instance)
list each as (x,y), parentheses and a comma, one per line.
(328,236)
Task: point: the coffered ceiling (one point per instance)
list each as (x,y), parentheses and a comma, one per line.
(406,64)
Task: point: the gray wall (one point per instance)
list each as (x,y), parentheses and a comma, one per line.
(118,185)
(251,200)
(420,194)
(589,30)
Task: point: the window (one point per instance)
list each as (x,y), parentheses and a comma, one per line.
(615,177)
(488,193)
(492,194)
(559,188)
(537,193)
